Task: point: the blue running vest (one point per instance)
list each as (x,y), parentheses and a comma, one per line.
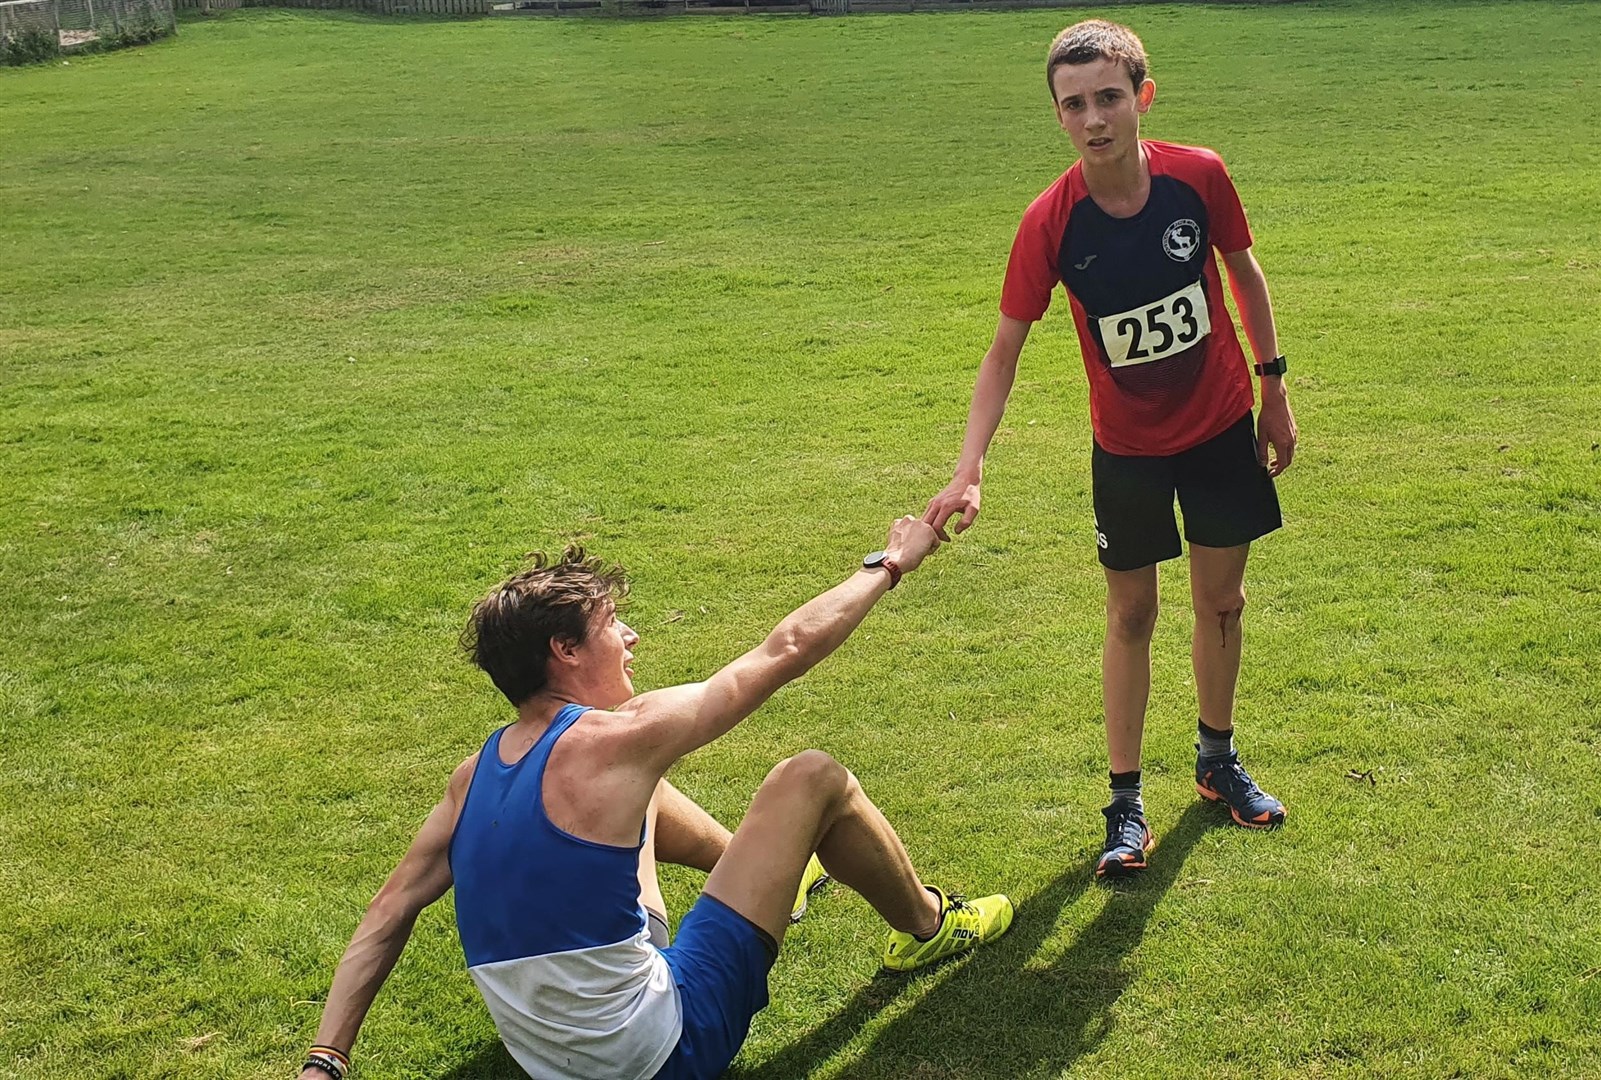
(553,930)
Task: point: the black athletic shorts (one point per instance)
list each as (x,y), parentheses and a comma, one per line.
(1226,495)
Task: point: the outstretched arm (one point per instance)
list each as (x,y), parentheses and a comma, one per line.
(995,377)
(1276,426)
(664,725)
(422,876)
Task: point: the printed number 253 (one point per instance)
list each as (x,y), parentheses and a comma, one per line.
(1170,327)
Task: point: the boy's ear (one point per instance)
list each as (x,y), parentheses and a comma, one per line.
(564,650)
(1146,94)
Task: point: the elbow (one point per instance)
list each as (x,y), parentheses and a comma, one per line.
(390,912)
(1001,361)
(1247,277)
(790,651)
(787,652)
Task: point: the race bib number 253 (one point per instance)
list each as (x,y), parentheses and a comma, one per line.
(1157,330)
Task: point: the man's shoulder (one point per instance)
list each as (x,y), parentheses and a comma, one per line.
(1056,201)
(605,734)
(1178,159)
(462,775)
(599,743)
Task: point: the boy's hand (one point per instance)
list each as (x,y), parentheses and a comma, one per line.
(1276,425)
(910,542)
(961,496)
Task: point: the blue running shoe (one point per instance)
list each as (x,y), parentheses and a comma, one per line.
(1224,780)
(1128,838)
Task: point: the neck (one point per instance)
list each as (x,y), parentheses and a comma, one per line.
(1121,180)
(539,710)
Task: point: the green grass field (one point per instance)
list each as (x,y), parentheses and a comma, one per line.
(312,324)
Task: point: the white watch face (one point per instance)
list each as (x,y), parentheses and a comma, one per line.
(875,560)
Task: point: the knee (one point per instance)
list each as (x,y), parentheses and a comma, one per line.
(814,773)
(1226,606)
(1132,620)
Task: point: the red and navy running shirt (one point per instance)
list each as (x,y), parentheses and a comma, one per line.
(1165,366)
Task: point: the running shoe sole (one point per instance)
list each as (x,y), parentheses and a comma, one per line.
(1265,820)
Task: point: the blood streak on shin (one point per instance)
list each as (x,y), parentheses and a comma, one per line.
(1224,619)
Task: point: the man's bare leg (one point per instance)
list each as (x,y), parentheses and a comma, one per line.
(1217,592)
(686,835)
(808,803)
(1126,662)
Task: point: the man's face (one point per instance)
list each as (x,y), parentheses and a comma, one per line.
(1100,109)
(608,655)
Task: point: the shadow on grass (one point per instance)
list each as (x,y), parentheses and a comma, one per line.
(490,1063)
(996,1017)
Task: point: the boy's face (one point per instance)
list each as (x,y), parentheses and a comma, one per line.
(1100,108)
(608,657)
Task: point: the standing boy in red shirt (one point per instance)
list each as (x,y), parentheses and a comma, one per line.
(1129,230)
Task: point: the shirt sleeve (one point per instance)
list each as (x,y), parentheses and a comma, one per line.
(1230,231)
(1031,270)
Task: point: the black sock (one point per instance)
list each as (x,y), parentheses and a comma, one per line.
(1215,744)
(1126,791)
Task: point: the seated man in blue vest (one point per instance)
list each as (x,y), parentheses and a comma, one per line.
(551,833)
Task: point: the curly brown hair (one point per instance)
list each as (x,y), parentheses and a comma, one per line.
(1096,39)
(511,628)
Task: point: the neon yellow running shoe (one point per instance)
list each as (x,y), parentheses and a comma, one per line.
(965,924)
(813,878)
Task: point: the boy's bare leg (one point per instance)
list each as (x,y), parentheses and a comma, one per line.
(1131,606)
(686,835)
(1217,592)
(808,803)
(1217,589)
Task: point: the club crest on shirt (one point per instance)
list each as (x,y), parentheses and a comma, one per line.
(1182,240)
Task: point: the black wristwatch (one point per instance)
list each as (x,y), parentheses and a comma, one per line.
(1275,366)
(881,560)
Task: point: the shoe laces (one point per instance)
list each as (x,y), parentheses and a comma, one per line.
(1125,828)
(1234,775)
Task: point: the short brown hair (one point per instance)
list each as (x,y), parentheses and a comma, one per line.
(511,629)
(1096,39)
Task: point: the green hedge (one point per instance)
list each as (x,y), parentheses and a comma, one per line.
(29,47)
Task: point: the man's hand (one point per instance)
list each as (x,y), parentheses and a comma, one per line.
(910,542)
(959,497)
(1276,426)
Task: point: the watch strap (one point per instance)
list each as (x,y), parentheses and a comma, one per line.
(880,560)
